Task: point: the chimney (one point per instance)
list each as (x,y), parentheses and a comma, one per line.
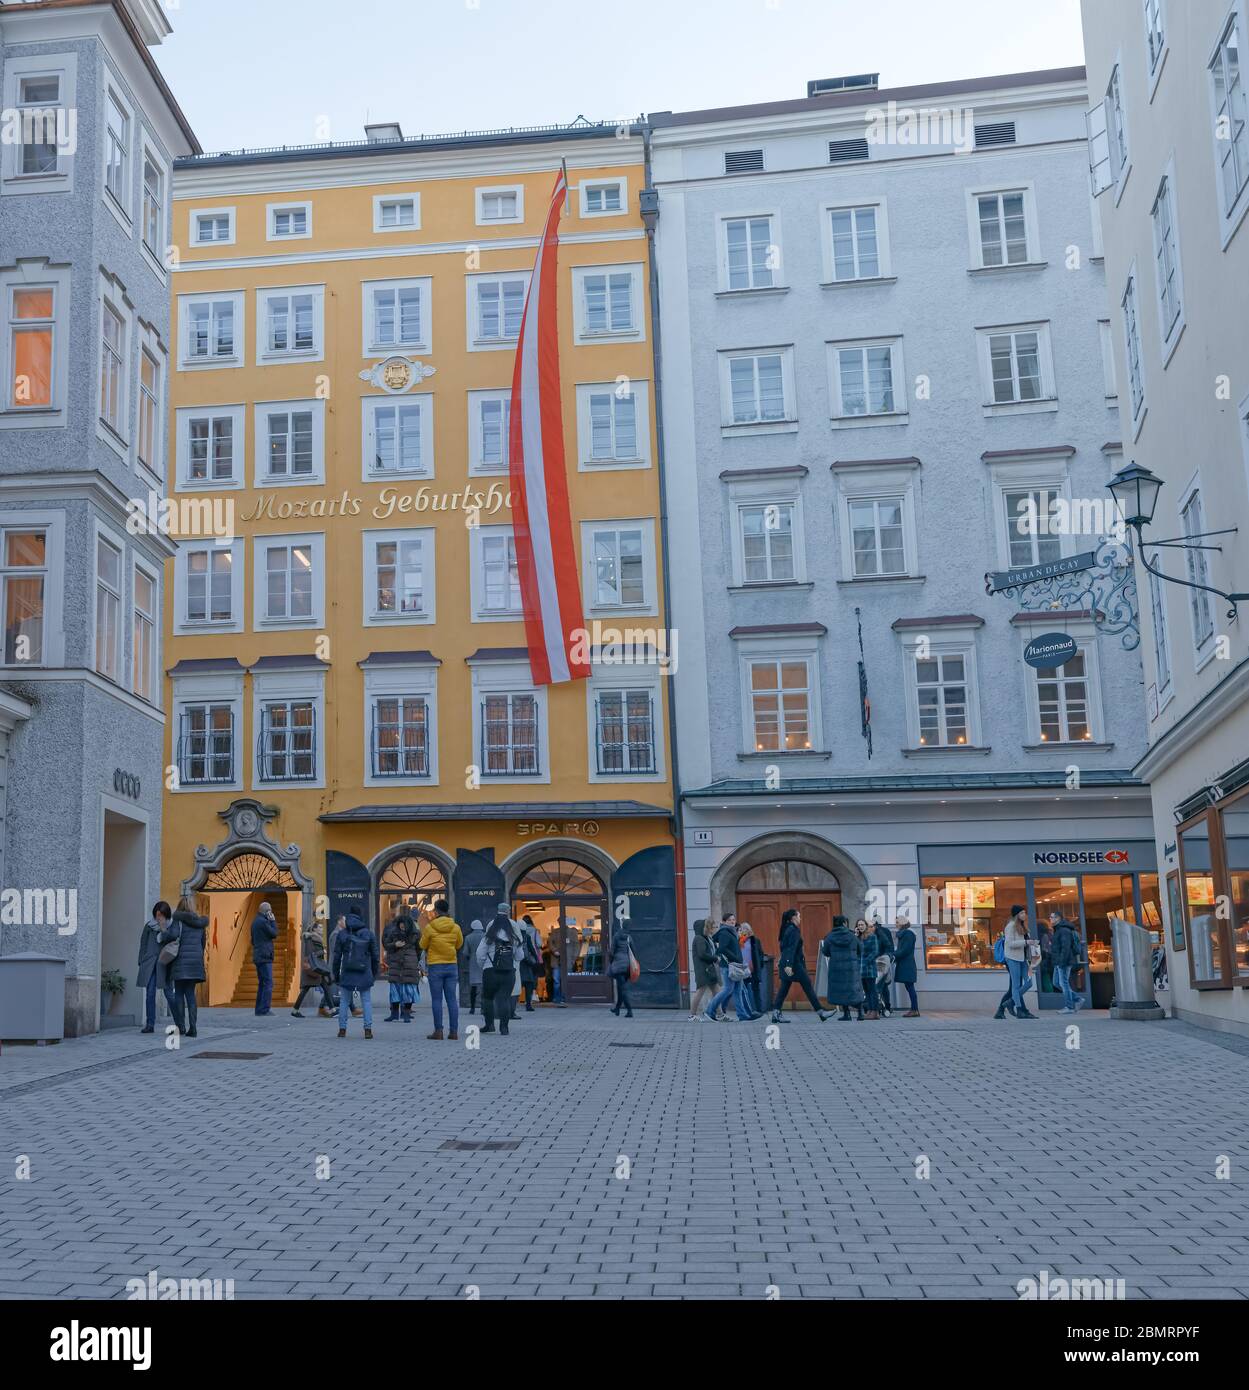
(384,133)
(859,82)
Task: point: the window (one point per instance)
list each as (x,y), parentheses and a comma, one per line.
(509,735)
(963,916)
(153,205)
(501,204)
(1003,227)
(878,535)
(209,585)
(1215,869)
(107,609)
(1017,369)
(941,696)
(609,300)
(1231,119)
(399,576)
(1062,694)
(876,520)
(603,197)
(750,253)
(1108,360)
(117,153)
(756,387)
(212,226)
(400,742)
(397,214)
(1162,640)
(38,108)
(780,705)
(1132,345)
(496,305)
(490,425)
(854,244)
(1031,539)
(396,316)
(32,314)
(113,369)
(289,221)
(398,435)
(290,581)
(210,446)
(624,731)
(863,379)
(143,650)
(212,329)
(290,442)
(206,744)
(1200,610)
(149,411)
(289,323)
(496,577)
(1155,34)
(619,567)
(767,541)
(1117,129)
(613,425)
(1167,261)
(287,750)
(24,577)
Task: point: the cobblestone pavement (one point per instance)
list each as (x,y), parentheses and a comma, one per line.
(747,1166)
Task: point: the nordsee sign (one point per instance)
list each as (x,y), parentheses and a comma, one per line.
(1050,649)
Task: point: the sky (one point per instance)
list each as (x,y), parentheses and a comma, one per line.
(252,73)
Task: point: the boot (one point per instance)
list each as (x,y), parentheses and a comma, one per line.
(845,1014)
(1023,1013)
(405,1014)
(453,1036)
(392,1017)
(871,1013)
(489,1028)
(1001,1011)
(323,1012)
(435,1036)
(296,1014)
(342,1032)
(368,1032)
(824,1017)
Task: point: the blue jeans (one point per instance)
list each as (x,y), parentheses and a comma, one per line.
(344,1004)
(725,994)
(264,986)
(743,1003)
(1018,970)
(444,983)
(1062,978)
(149,1000)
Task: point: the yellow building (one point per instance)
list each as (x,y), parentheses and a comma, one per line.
(353,722)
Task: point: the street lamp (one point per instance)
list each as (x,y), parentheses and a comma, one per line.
(1135,490)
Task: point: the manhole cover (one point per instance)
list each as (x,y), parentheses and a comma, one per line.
(489,1145)
(619,1044)
(230,1056)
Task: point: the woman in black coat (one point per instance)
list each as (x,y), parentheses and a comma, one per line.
(904,967)
(845,985)
(187,968)
(618,969)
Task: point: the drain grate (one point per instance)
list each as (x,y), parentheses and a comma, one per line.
(229,1056)
(623,1044)
(487,1145)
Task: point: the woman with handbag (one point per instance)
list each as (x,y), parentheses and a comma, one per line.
(1020,952)
(314,973)
(706,972)
(621,967)
(182,953)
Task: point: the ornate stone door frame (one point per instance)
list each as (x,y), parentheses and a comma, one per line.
(788,844)
(246,820)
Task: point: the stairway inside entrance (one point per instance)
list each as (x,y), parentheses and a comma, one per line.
(285,963)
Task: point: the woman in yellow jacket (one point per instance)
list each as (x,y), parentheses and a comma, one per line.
(441,939)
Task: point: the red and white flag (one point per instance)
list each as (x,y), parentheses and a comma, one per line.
(542,523)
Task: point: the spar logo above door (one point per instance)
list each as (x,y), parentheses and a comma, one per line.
(1053,858)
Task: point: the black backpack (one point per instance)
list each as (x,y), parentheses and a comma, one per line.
(357,955)
(504,952)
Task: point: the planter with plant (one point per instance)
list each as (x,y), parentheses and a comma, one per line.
(112,986)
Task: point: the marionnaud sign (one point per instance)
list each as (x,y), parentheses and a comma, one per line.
(1050,649)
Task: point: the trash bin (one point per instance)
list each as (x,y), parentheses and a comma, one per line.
(32,998)
(1134,972)
(767,982)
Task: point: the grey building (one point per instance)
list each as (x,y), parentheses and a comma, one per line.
(91,134)
(886,374)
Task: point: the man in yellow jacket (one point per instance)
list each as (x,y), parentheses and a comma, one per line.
(441,939)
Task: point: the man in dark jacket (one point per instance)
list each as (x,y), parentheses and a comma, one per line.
(151,976)
(264,934)
(355,963)
(1064,957)
(728,952)
(904,968)
(793,966)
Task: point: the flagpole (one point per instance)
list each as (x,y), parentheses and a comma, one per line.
(563,164)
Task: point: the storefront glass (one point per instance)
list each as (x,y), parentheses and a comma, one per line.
(1205,934)
(964,915)
(1053,895)
(1106,896)
(1235,819)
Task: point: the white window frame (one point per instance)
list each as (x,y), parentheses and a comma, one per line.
(36,275)
(1118,141)
(1161,627)
(772,217)
(1168,263)
(941,641)
(193,226)
(788,422)
(155,255)
(369,406)
(1197,571)
(589,585)
(18,67)
(418,681)
(102,535)
(427,614)
(640,392)
(1033,251)
(372,347)
(622,184)
(477,464)
(121,203)
(636,333)
(315,541)
(1084,631)
(480,195)
(217,689)
(264,353)
(772,650)
(52,524)
(149,572)
(478,535)
(260,445)
(384,200)
(1109,377)
(1048,400)
(1231,214)
(1134,350)
(477,343)
(510,678)
(184,626)
(884,266)
(213,362)
(899,415)
(183,418)
(293,686)
(741,501)
(1155,58)
(271,221)
(884,483)
(625,678)
(150,346)
(113,297)
(1028,476)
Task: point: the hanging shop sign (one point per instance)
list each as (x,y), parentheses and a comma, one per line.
(1050,649)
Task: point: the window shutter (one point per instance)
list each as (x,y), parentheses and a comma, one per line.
(1100,174)
(842,151)
(997,133)
(743,161)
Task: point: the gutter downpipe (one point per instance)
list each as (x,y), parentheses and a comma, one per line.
(677,820)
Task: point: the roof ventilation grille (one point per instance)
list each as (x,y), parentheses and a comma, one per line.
(743,161)
(842,151)
(999,133)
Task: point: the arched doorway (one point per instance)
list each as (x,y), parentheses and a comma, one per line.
(230,898)
(411,883)
(567,902)
(766,890)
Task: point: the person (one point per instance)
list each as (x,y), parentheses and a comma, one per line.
(905,970)
(471,943)
(884,968)
(793,966)
(845,981)
(619,963)
(548,972)
(152,974)
(752,955)
(340,925)
(355,964)
(497,954)
(314,972)
(728,953)
(264,934)
(441,939)
(402,942)
(1064,957)
(1018,947)
(530,960)
(706,973)
(186,969)
(868,951)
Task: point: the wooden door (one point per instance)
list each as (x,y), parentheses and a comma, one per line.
(763,912)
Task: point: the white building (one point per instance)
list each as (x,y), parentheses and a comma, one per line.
(885,333)
(1170,149)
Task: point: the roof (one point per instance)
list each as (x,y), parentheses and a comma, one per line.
(422,657)
(1093,778)
(201,665)
(501,810)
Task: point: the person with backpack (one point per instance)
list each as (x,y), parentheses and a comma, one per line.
(497,954)
(152,974)
(905,970)
(620,963)
(355,964)
(183,947)
(264,934)
(1016,950)
(441,939)
(793,966)
(530,960)
(1065,957)
(885,950)
(845,981)
(314,972)
(471,943)
(401,940)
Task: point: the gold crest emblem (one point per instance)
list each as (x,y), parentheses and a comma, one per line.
(396,374)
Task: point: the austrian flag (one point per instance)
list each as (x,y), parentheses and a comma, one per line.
(542,522)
